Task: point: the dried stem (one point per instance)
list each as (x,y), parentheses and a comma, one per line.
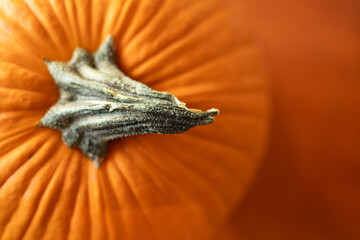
(99,103)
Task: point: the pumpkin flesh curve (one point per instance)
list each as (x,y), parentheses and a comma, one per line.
(150,186)
(308,186)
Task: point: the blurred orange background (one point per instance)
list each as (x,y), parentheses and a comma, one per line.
(309,185)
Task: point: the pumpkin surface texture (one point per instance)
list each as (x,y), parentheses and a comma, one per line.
(150,186)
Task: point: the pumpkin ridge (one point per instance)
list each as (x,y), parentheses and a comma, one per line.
(134,195)
(66,201)
(108,189)
(96,206)
(36,49)
(145,24)
(45,201)
(61,25)
(81,206)
(172,44)
(197,66)
(108,22)
(19,133)
(225,145)
(125,18)
(12,211)
(53,40)
(64,13)
(15,166)
(72,21)
(122,178)
(190,173)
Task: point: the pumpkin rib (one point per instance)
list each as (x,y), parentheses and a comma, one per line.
(54,220)
(96,206)
(72,16)
(19,63)
(109,190)
(83,23)
(26,212)
(53,40)
(163,172)
(128,187)
(46,201)
(146,23)
(109,22)
(186,33)
(104,213)
(125,18)
(37,47)
(136,197)
(29,100)
(16,137)
(207,89)
(55,13)
(166,174)
(225,145)
(189,195)
(80,222)
(190,94)
(25,179)
(99,16)
(201,175)
(60,8)
(11,167)
(191,174)
(198,66)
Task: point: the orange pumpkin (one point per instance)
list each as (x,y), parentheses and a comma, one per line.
(308,187)
(152,186)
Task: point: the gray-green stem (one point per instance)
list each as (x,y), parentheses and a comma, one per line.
(99,103)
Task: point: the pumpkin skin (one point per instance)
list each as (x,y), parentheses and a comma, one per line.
(308,187)
(151,186)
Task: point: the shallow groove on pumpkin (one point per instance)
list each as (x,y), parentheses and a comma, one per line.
(58,44)
(44,207)
(76,158)
(55,15)
(72,19)
(113,17)
(111,206)
(199,174)
(124,18)
(167,49)
(84,23)
(126,176)
(210,62)
(204,184)
(66,201)
(24,175)
(80,222)
(36,66)
(36,47)
(223,162)
(13,138)
(130,198)
(24,153)
(96,206)
(147,22)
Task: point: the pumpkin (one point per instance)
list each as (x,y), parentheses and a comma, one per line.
(151,186)
(308,186)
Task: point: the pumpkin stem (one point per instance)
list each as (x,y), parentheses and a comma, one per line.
(99,103)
